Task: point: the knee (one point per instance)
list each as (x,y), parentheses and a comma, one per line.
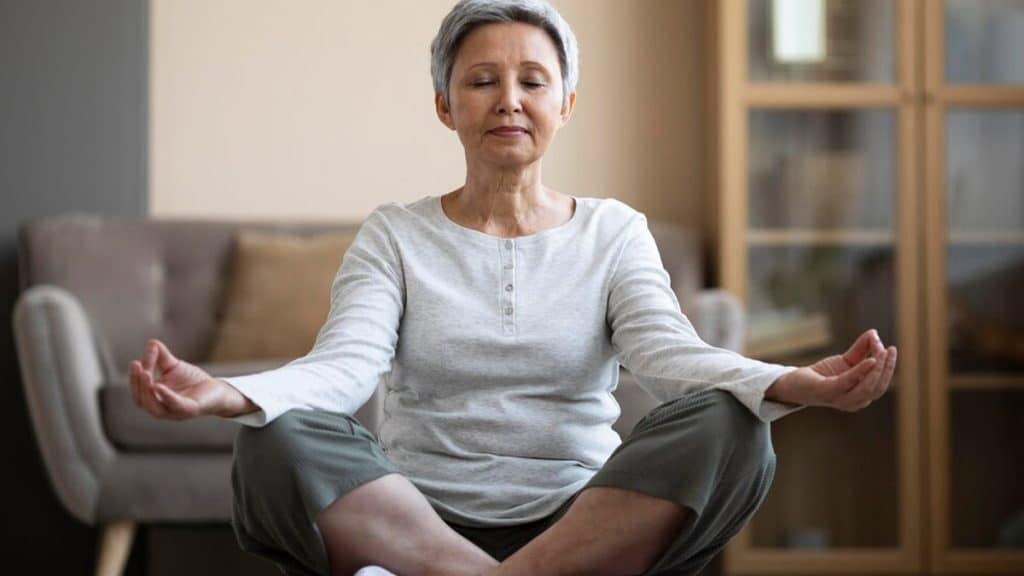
(267,458)
(274,452)
(746,438)
(259,470)
(272,442)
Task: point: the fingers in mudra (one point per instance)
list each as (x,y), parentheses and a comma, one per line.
(170,388)
(144,393)
(850,385)
(868,345)
(890,368)
(869,380)
(860,348)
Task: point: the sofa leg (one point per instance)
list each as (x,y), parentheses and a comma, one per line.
(115,546)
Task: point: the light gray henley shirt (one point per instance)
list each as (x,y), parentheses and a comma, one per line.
(499,356)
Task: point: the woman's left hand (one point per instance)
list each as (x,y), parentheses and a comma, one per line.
(847,382)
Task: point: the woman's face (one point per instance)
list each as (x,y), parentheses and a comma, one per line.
(504,75)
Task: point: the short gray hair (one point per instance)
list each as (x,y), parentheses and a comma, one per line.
(468,15)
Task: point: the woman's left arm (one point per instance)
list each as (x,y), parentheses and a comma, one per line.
(657,343)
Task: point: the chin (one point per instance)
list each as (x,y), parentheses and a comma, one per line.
(511,160)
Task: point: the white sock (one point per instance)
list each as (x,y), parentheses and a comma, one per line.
(373,571)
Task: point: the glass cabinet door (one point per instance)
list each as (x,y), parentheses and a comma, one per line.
(821,269)
(975,165)
(984,282)
(983,42)
(822,249)
(821,41)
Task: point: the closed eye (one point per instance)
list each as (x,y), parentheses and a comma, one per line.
(528,84)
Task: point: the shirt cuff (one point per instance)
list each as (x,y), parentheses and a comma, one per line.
(268,409)
(752,396)
(257,419)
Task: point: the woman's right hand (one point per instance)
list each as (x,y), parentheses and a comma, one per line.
(183,390)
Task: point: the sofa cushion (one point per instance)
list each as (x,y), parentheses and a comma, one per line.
(132,429)
(278,295)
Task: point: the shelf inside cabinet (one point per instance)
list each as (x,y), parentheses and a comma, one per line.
(873,237)
(986,237)
(967,381)
(817,236)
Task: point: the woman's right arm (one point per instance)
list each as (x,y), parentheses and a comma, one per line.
(355,346)
(353,349)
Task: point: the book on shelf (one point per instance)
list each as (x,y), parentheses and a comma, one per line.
(786,333)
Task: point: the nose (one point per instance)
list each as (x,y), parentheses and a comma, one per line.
(509,102)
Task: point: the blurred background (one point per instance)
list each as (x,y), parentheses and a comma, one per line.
(844,164)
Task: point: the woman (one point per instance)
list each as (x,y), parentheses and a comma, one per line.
(498,314)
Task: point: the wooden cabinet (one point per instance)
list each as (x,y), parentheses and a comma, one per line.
(869,173)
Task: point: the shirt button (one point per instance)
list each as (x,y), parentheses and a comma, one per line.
(508,244)
(508,287)
(508,311)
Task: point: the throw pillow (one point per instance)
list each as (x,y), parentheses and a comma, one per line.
(278,295)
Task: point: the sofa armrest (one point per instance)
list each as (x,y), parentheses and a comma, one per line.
(719,319)
(61,373)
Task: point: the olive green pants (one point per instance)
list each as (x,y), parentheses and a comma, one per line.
(705,451)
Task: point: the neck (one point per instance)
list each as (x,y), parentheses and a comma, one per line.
(503,200)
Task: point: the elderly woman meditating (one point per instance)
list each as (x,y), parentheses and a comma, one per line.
(498,315)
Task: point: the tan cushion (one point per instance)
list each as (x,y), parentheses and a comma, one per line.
(278,295)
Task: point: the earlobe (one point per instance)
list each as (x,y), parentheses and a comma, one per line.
(568,108)
(443,114)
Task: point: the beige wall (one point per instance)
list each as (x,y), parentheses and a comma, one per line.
(323,109)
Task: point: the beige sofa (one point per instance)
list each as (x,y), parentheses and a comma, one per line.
(95,288)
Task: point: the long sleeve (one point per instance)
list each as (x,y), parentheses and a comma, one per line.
(356,344)
(657,343)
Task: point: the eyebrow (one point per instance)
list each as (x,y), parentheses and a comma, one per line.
(527,62)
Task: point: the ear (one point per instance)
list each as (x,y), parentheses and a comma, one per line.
(443,113)
(570,105)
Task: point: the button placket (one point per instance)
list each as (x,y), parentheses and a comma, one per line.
(507,291)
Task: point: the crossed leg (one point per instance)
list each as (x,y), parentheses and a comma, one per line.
(606,531)
(389,523)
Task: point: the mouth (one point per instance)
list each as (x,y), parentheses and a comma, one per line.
(509,131)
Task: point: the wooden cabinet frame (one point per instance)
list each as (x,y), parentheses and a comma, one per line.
(919,101)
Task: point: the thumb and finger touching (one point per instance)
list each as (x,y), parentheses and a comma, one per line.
(146,394)
(158,356)
(866,343)
(166,360)
(157,397)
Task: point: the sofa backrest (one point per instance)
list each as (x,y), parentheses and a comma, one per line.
(141,278)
